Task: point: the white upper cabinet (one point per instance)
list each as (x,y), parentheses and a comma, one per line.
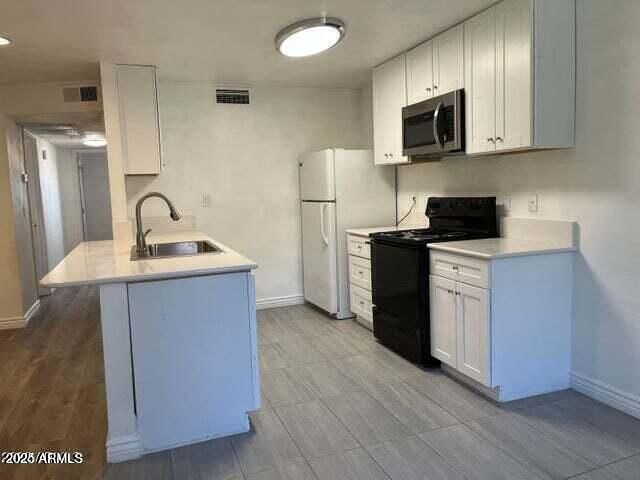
(448,61)
(437,66)
(389,96)
(480,82)
(520,76)
(139,119)
(420,73)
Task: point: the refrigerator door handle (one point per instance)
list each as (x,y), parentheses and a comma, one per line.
(325,239)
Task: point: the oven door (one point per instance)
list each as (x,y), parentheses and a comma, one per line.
(434,126)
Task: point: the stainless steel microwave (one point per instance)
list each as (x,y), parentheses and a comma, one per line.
(434,127)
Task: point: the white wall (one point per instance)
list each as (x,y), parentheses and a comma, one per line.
(245,157)
(596,184)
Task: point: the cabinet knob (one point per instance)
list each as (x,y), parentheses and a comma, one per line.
(435,87)
(455,267)
(391,155)
(428,89)
(458,293)
(490,139)
(499,139)
(450,291)
(386,155)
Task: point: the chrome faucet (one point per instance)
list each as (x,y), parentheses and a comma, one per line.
(141,242)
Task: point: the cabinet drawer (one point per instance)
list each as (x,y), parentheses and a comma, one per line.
(361,302)
(360,272)
(468,270)
(358,246)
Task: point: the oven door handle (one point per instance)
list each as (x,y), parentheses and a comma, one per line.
(436,116)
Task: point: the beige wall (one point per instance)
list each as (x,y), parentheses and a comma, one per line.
(245,158)
(10,295)
(596,184)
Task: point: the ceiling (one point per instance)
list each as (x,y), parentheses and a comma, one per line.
(63,129)
(221,41)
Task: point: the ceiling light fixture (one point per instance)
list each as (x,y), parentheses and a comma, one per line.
(94,142)
(310,36)
(4,41)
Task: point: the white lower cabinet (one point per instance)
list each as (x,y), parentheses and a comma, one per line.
(459,321)
(360,296)
(509,335)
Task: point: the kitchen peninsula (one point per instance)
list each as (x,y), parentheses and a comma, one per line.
(171,326)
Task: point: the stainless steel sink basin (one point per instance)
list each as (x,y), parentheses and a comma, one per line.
(177,249)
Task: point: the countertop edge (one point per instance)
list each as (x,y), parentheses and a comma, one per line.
(486,256)
(153,276)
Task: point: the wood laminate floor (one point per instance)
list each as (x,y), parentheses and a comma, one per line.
(336,406)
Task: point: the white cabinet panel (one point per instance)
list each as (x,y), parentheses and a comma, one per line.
(191,344)
(460,268)
(420,73)
(443,322)
(514,115)
(139,119)
(480,81)
(389,96)
(448,61)
(472,307)
(360,272)
(361,302)
(358,246)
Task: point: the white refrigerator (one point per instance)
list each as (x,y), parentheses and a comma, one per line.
(339,189)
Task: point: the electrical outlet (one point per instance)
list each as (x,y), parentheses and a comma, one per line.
(506,202)
(206,200)
(533,202)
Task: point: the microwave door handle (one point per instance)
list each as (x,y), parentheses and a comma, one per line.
(436,116)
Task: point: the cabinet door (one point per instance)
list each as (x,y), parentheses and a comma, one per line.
(480,82)
(442,319)
(448,61)
(139,121)
(514,101)
(389,96)
(473,332)
(420,73)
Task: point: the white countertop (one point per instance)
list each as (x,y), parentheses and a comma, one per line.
(490,248)
(364,232)
(102,262)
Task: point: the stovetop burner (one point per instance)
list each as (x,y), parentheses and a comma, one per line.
(421,235)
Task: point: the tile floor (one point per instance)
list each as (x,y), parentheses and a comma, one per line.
(337,405)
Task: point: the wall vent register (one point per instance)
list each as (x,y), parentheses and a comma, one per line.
(80,94)
(238,97)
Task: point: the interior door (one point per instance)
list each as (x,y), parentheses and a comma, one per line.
(420,73)
(317,176)
(320,254)
(480,82)
(448,61)
(96,201)
(21,216)
(442,319)
(473,332)
(514,19)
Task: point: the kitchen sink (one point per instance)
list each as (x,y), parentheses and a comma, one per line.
(176,249)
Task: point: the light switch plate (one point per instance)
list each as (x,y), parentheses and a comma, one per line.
(533,202)
(506,202)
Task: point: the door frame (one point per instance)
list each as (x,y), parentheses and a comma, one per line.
(36,212)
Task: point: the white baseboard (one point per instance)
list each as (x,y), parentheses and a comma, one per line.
(608,394)
(279,301)
(20,322)
(124,448)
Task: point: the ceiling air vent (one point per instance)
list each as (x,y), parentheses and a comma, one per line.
(237,97)
(80,94)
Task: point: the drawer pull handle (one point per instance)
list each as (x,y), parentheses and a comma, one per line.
(360,272)
(455,267)
(450,291)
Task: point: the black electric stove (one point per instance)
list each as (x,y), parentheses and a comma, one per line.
(400,271)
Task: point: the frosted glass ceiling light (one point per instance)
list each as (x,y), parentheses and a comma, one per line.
(310,37)
(4,41)
(94,142)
